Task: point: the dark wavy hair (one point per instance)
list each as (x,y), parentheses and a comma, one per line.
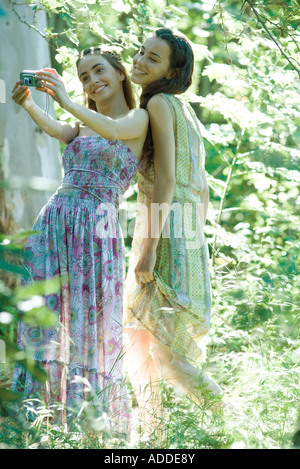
(115,61)
(182,64)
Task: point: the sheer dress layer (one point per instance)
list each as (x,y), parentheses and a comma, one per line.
(175,307)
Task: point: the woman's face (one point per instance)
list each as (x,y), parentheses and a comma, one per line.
(100,80)
(152,62)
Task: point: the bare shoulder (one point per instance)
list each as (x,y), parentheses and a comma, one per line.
(158,103)
(160,111)
(139,113)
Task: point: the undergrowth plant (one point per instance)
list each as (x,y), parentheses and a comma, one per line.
(246,95)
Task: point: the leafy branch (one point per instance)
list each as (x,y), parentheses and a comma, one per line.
(226,189)
(272,37)
(47,36)
(31,26)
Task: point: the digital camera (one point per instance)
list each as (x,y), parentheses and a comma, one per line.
(28,78)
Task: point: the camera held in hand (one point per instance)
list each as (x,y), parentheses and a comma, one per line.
(28,78)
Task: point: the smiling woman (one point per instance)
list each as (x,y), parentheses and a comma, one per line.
(73,243)
(167,296)
(102,59)
(152,62)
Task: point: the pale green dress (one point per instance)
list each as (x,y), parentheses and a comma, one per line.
(175,307)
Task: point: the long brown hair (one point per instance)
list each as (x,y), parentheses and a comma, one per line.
(182,63)
(115,61)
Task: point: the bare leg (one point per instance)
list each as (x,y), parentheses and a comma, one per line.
(196,384)
(143,376)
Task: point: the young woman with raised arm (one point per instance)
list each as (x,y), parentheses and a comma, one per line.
(79,240)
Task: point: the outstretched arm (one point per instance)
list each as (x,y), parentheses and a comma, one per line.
(61,130)
(161,121)
(128,127)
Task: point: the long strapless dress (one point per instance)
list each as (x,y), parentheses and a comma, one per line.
(79,241)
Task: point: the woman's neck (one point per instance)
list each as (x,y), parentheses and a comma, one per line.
(114,108)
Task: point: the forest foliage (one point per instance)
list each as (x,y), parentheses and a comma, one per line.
(246,94)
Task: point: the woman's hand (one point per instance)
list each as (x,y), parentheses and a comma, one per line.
(22,95)
(52,84)
(144,268)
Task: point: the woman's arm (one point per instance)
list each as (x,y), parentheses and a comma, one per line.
(61,130)
(129,127)
(161,121)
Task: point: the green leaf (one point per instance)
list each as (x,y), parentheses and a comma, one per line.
(41,316)
(72,37)
(12,268)
(43,287)
(8,396)
(34,369)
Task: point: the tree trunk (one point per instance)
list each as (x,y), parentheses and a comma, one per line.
(25,151)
